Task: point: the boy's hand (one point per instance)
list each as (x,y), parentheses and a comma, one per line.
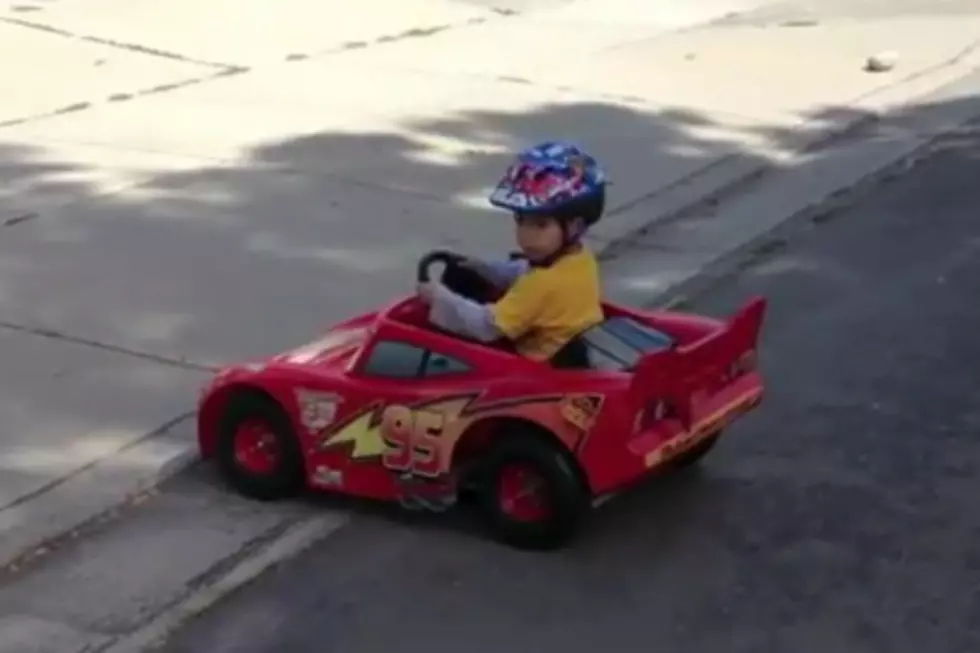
(426,291)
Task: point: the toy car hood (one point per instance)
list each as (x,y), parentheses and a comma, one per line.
(336,346)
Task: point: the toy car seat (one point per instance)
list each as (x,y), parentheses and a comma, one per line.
(574,355)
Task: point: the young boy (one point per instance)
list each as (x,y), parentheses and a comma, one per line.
(556,192)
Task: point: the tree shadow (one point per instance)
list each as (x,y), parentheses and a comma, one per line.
(234,259)
(214,263)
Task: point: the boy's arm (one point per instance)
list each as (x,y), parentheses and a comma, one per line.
(456,313)
(500,273)
(518,311)
(511,317)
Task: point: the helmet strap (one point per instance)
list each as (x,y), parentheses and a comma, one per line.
(569,243)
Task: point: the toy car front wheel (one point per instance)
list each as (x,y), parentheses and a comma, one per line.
(530,493)
(258,453)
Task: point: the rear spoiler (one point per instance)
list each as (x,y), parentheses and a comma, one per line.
(675,374)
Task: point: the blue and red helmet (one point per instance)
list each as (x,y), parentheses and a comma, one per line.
(553,178)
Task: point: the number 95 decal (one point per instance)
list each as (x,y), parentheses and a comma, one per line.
(413,440)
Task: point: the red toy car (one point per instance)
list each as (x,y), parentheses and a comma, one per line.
(388,407)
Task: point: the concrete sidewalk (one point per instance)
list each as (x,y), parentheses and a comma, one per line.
(215,194)
(164,178)
(290,182)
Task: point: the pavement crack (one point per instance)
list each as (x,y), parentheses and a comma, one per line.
(221,69)
(118,97)
(411,33)
(113,43)
(10,222)
(95,344)
(218,69)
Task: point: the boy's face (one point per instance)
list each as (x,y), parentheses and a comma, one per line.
(539,236)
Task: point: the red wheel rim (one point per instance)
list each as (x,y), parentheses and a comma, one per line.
(521,494)
(256,448)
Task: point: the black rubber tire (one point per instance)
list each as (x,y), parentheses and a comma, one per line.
(288,479)
(694,455)
(564,490)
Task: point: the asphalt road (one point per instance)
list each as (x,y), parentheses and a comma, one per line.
(841,517)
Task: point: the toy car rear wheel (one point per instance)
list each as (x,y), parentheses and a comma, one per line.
(258,453)
(531,494)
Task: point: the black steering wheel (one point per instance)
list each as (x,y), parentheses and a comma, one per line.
(445,257)
(457,277)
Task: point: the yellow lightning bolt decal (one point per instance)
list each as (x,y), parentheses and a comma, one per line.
(365,430)
(365,435)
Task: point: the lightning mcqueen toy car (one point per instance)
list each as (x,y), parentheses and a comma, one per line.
(386,406)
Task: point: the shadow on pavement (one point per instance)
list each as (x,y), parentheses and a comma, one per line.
(225,261)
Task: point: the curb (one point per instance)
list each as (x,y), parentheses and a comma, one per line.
(34,546)
(819,207)
(748,172)
(180,462)
(678,295)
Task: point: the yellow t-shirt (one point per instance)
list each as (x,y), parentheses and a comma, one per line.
(547,307)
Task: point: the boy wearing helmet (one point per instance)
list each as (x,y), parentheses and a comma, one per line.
(555,192)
